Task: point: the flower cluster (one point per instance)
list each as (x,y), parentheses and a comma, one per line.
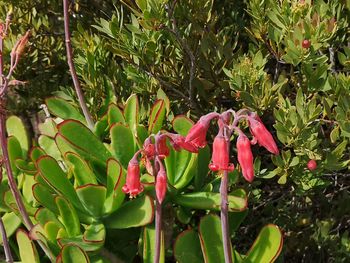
(155,149)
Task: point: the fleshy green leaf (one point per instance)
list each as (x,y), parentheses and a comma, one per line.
(63,109)
(69,216)
(92,197)
(267,246)
(148,241)
(182,124)
(81,170)
(11,222)
(27,250)
(187,247)
(16,128)
(72,253)
(156,118)
(131,111)
(210,201)
(134,213)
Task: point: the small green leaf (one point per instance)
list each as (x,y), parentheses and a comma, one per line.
(95,233)
(49,146)
(210,201)
(44,197)
(27,250)
(63,109)
(133,213)
(36,152)
(267,246)
(14,151)
(187,247)
(25,167)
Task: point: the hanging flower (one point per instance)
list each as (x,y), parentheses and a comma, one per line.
(133,185)
(162,149)
(178,142)
(262,135)
(220,156)
(197,134)
(245,157)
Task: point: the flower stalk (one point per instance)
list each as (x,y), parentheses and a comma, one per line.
(73,72)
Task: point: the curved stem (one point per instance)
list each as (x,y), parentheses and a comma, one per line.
(76,83)
(5,243)
(224,218)
(158,231)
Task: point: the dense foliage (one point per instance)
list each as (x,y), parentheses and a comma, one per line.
(286,60)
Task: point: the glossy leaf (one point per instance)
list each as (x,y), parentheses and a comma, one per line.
(83,140)
(211,239)
(95,233)
(63,109)
(267,246)
(72,253)
(131,111)
(115,181)
(187,247)
(92,197)
(156,117)
(36,152)
(25,167)
(27,250)
(115,115)
(137,212)
(81,170)
(16,128)
(210,201)
(148,241)
(69,216)
(15,152)
(122,144)
(11,223)
(57,179)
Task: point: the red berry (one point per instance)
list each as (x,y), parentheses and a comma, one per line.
(312,165)
(306,43)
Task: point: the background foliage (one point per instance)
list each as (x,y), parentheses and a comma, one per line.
(214,55)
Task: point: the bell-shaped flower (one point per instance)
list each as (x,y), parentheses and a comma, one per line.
(161,184)
(133,185)
(263,136)
(198,133)
(220,155)
(149,148)
(245,157)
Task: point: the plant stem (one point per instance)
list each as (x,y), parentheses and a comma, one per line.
(158,231)
(76,83)
(5,243)
(224,218)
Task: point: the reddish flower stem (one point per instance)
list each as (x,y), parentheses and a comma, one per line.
(73,72)
(224,217)
(5,243)
(158,231)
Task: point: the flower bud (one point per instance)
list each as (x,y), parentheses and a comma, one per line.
(133,185)
(263,136)
(197,134)
(245,157)
(161,184)
(312,165)
(220,155)
(149,148)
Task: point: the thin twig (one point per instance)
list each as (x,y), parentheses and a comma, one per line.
(174,30)
(76,83)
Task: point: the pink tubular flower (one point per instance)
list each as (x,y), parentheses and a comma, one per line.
(245,157)
(263,136)
(220,155)
(133,185)
(161,185)
(178,142)
(197,134)
(149,148)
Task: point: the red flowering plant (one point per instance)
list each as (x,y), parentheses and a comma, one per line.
(155,149)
